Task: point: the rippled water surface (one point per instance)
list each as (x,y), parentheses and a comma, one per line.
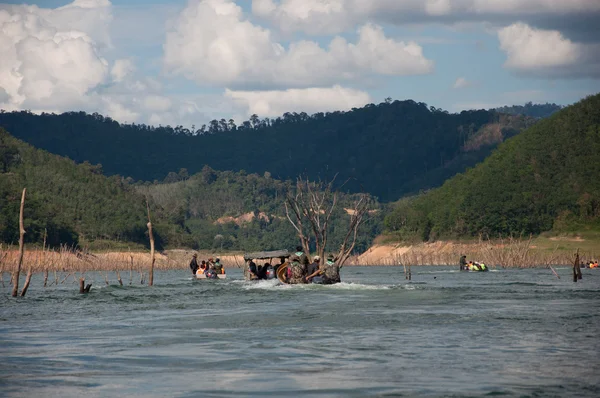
(445,333)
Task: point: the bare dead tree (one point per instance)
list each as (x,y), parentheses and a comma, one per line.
(309,208)
(152,259)
(15,289)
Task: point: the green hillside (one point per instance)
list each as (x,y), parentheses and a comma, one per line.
(389,150)
(75,204)
(546,178)
(240,211)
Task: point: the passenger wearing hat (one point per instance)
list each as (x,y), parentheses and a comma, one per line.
(194,264)
(218,267)
(313,269)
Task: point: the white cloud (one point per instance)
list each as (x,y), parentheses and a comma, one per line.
(310,100)
(212,43)
(47,62)
(121,69)
(461,82)
(547,52)
(529,48)
(334,16)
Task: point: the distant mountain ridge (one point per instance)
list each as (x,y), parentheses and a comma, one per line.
(389,150)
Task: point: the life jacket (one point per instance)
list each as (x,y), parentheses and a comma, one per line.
(332,270)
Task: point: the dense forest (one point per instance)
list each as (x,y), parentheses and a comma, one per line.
(389,150)
(546,178)
(73,204)
(77,205)
(239,211)
(538,111)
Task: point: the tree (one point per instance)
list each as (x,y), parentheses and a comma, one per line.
(309,207)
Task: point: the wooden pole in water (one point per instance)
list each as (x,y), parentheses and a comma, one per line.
(15,290)
(82,288)
(576,268)
(151,235)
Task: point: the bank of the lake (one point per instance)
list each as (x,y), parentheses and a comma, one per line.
(518,332)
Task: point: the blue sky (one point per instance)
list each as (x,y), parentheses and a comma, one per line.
(187,62)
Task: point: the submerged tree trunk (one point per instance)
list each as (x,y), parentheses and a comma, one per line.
(151,235)
(576,268)
(15,289)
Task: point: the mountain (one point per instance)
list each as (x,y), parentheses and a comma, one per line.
(73,204)
(538,111)
(388,150)
(546,178)
(239,211)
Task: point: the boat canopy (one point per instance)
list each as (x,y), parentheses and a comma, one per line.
(266,255)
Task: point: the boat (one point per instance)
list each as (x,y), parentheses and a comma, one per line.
(211,273)
(271,271)
(201,275)
(475,267)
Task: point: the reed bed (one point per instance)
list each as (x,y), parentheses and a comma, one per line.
(502,253)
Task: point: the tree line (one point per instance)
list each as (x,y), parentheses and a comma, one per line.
(388,150)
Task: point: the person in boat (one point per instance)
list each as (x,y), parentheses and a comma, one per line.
(595,265)
(218,267)
(194,264)
(263,271)
(203,266)
(302,256)
(331,271)
(281,262)
(296,271)
(313,269)
(251,272)
(463,263)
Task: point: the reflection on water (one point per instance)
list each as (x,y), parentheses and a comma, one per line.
(445,333)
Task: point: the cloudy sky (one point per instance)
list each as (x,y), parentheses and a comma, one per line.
(187,62)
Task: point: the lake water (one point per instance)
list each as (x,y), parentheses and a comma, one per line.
(521,333)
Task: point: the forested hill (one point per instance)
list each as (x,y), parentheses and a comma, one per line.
(538,111)
(77,205)
(545,178)
(388,149)
(74,204)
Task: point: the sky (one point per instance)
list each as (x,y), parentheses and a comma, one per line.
(190,61)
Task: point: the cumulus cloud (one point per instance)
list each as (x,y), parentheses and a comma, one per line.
(547,52)
(461,82)
(47,62)
(310,100)
(333,16)
(212,42)
(121,69)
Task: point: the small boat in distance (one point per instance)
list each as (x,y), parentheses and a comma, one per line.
(266,270)
(211,270)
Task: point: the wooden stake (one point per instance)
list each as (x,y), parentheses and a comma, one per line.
(21,246)
(151,235)
(82,288)
(576,269)
(119,278)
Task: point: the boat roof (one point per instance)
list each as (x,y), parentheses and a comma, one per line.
(266,255)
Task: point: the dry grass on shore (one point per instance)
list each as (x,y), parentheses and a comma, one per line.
(503,253)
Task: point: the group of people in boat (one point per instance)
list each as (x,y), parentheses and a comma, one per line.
(297,269)
(471,265)
(210,268)
(590,264)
